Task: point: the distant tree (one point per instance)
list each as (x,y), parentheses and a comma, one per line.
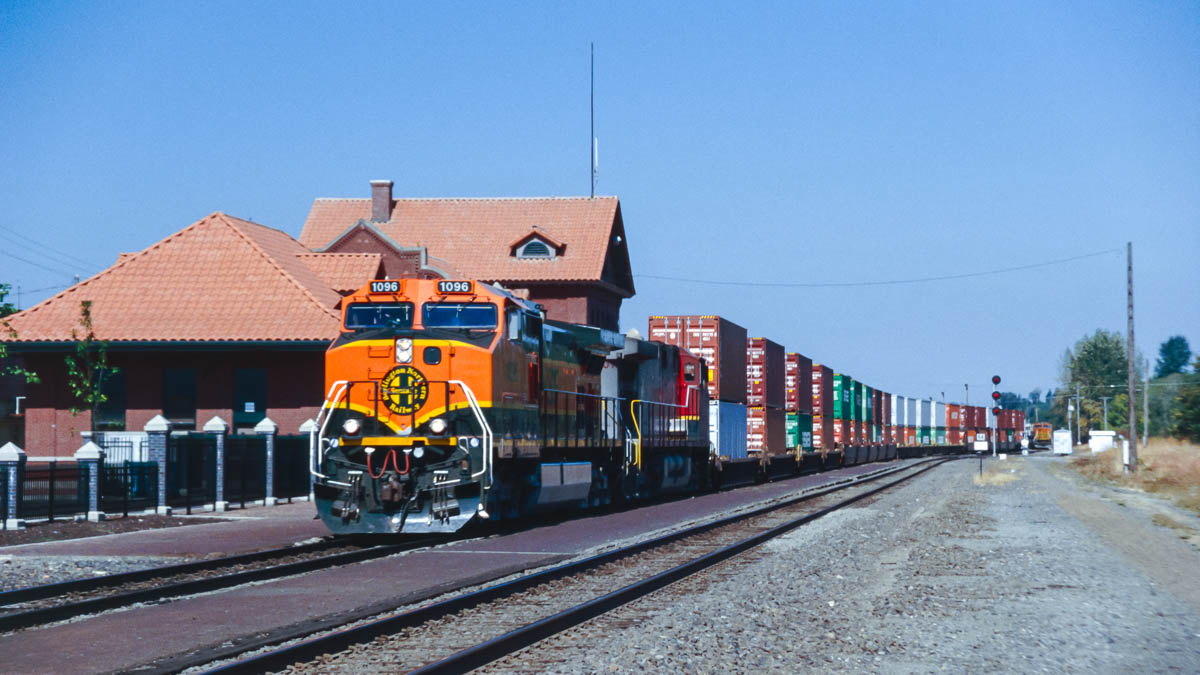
(1187,409)
(1096,367)
(1173,356)
(6,308)
(87,368)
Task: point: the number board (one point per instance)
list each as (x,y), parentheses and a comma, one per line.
(385,286)
(456,287)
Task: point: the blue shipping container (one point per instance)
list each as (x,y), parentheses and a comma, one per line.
(727,428)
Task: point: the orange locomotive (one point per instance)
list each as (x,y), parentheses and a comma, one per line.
(450,400)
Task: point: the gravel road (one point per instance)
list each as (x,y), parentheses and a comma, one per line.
(1043,573)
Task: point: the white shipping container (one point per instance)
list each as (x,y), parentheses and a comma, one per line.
(910,412)
(939,415)
(727,428)
(925,414)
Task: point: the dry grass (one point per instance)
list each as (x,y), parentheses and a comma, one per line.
(996,473)
(1169,467)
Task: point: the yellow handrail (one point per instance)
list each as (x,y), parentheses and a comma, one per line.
(637,446)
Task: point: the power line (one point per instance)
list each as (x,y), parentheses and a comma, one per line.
(60,270)
(64,256)
(893,282)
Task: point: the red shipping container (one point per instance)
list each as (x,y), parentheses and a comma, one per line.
(822,431)
(720,342)
(798,383)
(887,414)
(765,362)
(822,390)
(953,416)
(839,432)
(910,435)
(766,430)
(877,407)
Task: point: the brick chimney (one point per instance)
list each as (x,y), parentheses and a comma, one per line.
(381,201)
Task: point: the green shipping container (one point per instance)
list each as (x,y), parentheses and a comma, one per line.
(803,428)
(940,434)
(868,405)
(924,436)
(843,397)
(856,406)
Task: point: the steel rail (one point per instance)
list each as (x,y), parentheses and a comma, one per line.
(43,615)
(501,646)
(311,648)
(56,589)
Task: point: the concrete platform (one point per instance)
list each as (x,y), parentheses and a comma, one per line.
(122,641)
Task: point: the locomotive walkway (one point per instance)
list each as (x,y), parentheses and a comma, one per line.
(121,641)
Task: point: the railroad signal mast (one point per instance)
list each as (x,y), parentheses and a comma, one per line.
(995,413)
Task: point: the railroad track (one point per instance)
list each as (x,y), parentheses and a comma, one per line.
(477,628)
(37,605)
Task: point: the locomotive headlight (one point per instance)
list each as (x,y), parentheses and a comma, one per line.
(437,425)
(351,426)
(404,350)
(418,452)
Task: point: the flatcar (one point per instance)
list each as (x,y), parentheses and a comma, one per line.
(450,400)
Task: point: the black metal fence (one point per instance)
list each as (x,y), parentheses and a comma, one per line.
(116,450)
(191,470)
(292,478)
(128,485)
(245,468)
(3,494)
(53,489)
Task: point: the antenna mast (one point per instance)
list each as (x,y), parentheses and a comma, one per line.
(592,140)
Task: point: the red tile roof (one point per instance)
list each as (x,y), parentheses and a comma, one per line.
(343,271)
(219,279)
(477,234)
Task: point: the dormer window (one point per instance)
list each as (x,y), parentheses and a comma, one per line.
(536,245)
(535,248)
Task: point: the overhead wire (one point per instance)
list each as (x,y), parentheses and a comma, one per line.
(63,256)
(892,282)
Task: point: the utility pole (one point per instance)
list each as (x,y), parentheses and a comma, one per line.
(1132,391)
(1145,401)
(1105,400)
(1079,428)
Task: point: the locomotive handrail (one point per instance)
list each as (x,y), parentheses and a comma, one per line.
(637,461)
(316,452)
(487,430)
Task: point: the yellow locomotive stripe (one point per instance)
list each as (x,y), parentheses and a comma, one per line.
(370,412)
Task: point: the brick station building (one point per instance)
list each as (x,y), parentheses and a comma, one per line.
(230,318)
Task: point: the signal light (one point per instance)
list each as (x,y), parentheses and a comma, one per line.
(995,396)
(995,379)
(996,411)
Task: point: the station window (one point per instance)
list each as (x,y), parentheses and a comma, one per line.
(249,398)
(110,415)
(179,398)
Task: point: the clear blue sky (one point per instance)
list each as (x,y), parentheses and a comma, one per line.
(763,142)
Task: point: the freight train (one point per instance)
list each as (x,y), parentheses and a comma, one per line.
(454,400)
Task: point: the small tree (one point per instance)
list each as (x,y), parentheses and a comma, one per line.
(7,330)
(87,368)
(6,308)
(1187,409)
(1173,356)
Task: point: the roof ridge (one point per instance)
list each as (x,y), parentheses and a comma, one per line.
(469,199)
(227,219)
(122,260)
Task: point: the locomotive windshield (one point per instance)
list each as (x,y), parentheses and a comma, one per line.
(379,315)
(459,315)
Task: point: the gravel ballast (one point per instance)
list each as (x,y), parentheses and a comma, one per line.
(1034,575)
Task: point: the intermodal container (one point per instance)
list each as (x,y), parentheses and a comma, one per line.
(766,430)
(719,341)
(839,433)
(798,379)
(822,391)
(799,431)
(843,397)
(765,363)
(822,432)
(727,428)
(910,411)
(910,435)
